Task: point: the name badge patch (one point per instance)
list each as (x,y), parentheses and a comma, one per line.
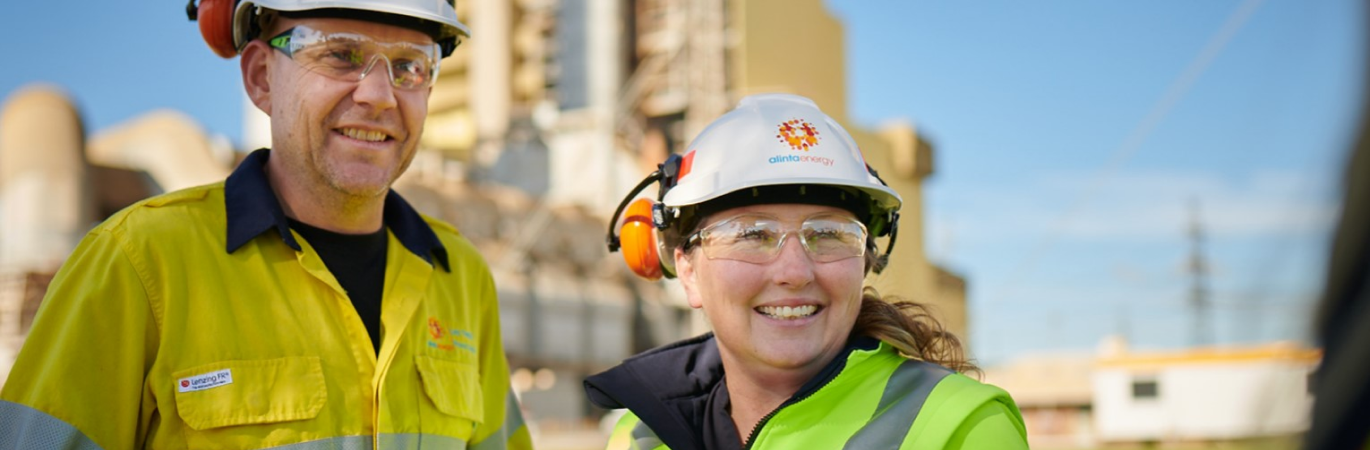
(205,381)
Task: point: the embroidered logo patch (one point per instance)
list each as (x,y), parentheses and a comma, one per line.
(446,339)
(205,381)
(435,328)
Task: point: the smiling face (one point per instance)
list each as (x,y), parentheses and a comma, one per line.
(790,314)
(337,138)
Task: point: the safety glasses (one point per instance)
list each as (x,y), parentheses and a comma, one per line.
(758,239)
(351,56)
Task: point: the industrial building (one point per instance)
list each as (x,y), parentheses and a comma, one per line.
(1200,396)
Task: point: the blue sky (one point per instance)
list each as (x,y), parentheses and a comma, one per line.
(119,60)
(1071,137)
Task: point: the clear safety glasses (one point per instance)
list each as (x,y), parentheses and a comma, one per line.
(758,239)
(351,56)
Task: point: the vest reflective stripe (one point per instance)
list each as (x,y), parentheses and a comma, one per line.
(644,438)
(905,392)
(513,420)
(25,427)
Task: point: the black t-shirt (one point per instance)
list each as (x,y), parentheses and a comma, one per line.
(358,262)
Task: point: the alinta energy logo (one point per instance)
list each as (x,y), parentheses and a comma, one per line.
(802,136)
(435,328)
(798,134)
(447,339)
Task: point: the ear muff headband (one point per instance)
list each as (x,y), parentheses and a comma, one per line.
(637,235)
(612,239)
(216,24)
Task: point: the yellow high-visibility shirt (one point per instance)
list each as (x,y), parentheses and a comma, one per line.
(198,320)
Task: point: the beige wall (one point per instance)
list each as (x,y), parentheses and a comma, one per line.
(790,46)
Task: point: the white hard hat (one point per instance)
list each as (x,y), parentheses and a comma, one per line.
(440,12)
(773,148)
(774,139)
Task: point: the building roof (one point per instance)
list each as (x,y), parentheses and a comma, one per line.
(1046,380)
(1275,352)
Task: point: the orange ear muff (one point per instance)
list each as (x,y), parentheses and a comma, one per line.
(216,25)
(637,236)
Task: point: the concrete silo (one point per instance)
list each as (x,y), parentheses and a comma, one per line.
(45,200)
(45,203)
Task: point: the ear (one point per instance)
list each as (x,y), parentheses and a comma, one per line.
(255,63)
(685,271)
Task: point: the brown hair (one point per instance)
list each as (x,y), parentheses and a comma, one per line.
(908,326)
(911,329)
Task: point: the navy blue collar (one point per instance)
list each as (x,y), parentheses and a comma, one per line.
(252,209)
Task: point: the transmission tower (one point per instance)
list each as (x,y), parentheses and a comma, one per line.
(1198,272)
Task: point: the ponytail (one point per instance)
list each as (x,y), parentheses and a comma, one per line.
(911,329)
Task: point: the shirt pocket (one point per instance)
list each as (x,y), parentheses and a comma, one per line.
(453,387)
(259,391)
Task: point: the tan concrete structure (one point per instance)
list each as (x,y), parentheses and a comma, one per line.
(45,198)
(167,145)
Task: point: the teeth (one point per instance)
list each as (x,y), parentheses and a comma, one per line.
(373,136)
(787,312)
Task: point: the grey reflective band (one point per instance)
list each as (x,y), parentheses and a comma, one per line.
(413,441)
(905,392)
(644,438)
(388,441)
(513,420)
(338,443)
(513,416)
(25,427)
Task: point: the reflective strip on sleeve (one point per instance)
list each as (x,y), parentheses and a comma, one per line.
(25,427)
(905,392)
(513,421)
(513,415)
(644,438)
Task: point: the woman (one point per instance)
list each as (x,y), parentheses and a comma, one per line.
(770,220)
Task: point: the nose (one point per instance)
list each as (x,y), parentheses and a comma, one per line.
(376,88)
(792,267)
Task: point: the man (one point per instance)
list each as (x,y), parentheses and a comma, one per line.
(298,304)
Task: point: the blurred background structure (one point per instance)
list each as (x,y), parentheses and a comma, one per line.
(1132,253)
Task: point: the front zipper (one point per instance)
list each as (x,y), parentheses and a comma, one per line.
(751,438)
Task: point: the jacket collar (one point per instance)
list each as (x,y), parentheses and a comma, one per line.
(252,209)
(679,391)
